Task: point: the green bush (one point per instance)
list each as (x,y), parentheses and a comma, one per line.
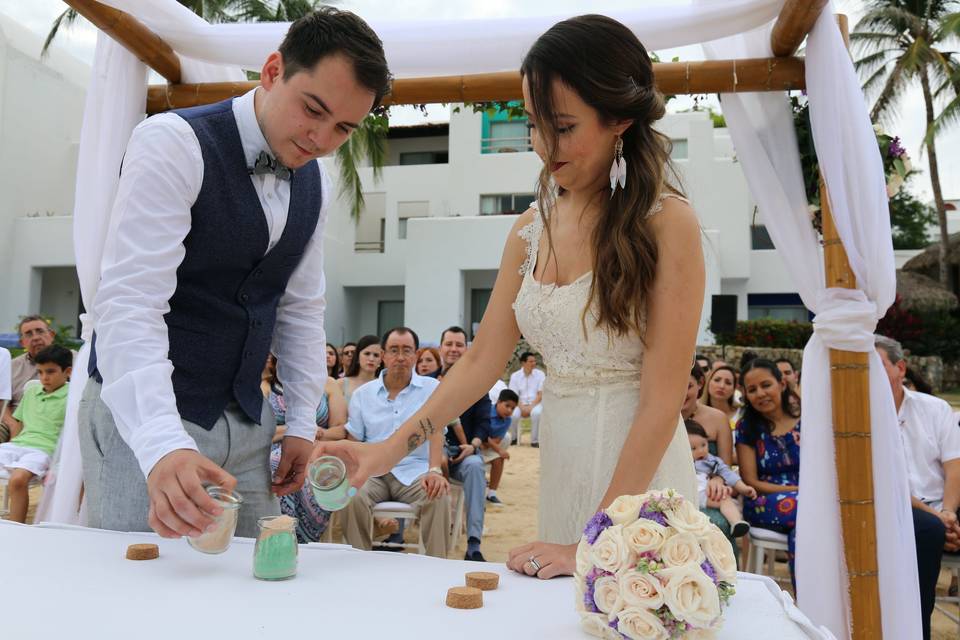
(774,334)
(923,333)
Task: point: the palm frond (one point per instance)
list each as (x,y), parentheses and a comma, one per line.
(949,117)
(351,186)
(889,96)
(65,19)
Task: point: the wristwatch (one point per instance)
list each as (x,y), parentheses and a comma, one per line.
(436,470)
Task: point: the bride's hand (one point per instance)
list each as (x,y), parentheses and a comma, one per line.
(361,459)
(554,559)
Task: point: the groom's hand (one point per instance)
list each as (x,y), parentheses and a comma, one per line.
(179,504)
(294,455)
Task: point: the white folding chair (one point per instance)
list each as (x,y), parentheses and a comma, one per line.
(764,545)
(950,561)
(5,502)
(398,511)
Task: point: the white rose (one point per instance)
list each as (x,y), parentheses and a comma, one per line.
(610,552)
(596,624)
(719,552)
(691,595)
(584,558)
(640,624)
(579,589)
(894,184)
(644,535)
(640,590)
(907,165)
(606,595)
(624,509)
(700,634)
(681,549)
(687,518)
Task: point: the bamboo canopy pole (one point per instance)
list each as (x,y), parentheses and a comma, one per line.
(793,24)
(133,35)
(712,76)
(850,385)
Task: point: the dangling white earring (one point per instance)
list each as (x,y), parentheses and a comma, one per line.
(618,170)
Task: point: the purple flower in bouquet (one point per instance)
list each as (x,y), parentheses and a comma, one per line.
(615,625)
(588,593)
(652,514)
(896,149)
(710,571)
(596,525)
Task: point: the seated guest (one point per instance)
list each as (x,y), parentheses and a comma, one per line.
(788,371)
(35,336)
(347,352)
(768,449)
(709,466)
(528,384)
(4,392)
(719,443)
(37,423)
(334,369)
(428,362)
(495,446)
(464,441)
(713,421)
(931,446)
(720,393)
(365,366)
(377,409)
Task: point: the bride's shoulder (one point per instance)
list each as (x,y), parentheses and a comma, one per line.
(673,213)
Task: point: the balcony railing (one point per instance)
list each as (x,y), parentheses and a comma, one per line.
(375,246)
(505,145)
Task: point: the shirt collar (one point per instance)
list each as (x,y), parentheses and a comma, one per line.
(59,393)
(415,381)
(251,137)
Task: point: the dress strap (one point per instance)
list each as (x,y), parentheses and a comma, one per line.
(658,205)
(530,233)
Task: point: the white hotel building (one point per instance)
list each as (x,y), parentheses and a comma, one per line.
(427,247)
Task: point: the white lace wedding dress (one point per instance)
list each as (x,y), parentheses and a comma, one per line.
(589,401)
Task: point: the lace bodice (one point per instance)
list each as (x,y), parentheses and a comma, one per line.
(549,317)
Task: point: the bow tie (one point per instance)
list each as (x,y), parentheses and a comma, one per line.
(266,163)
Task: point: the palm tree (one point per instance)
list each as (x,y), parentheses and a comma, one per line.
(902,43)
(367,143)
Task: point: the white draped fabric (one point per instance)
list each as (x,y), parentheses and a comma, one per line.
(761,128)
(762,131)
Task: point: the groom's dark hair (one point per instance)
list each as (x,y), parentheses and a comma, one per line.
(328,31)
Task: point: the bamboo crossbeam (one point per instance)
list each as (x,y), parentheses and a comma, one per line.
(793,24)
(133,35)
(712,76)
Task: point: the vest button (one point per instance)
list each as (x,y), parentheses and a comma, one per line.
(244,297)
(258,272)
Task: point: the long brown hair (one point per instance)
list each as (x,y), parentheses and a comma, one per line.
(608,67)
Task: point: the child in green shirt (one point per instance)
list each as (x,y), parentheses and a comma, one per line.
(39,420)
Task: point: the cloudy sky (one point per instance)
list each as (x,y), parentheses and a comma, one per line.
(37,15)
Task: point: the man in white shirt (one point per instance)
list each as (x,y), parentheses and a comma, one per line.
(528,384)
(214,259)
(931,446)
(377,409)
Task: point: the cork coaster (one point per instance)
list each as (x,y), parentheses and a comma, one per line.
(464,598)
(483,580)
(143,552)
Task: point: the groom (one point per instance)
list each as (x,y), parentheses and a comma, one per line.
(214,259)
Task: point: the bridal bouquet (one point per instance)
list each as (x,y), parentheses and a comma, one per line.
(653,567)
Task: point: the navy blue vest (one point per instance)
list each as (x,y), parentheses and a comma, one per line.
(223,312)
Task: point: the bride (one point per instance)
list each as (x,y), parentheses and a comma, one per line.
(604,277)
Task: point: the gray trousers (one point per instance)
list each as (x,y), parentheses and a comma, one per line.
(116,490)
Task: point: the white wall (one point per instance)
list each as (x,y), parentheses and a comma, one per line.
(41,106)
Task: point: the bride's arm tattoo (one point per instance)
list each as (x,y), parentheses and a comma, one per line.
(426,430)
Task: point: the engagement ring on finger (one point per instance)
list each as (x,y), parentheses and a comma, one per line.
(536,565)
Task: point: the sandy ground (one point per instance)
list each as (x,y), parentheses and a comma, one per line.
(515,523)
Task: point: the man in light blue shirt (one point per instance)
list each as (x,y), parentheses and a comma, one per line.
(377,409)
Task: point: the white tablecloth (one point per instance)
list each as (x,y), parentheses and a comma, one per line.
(71,582)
